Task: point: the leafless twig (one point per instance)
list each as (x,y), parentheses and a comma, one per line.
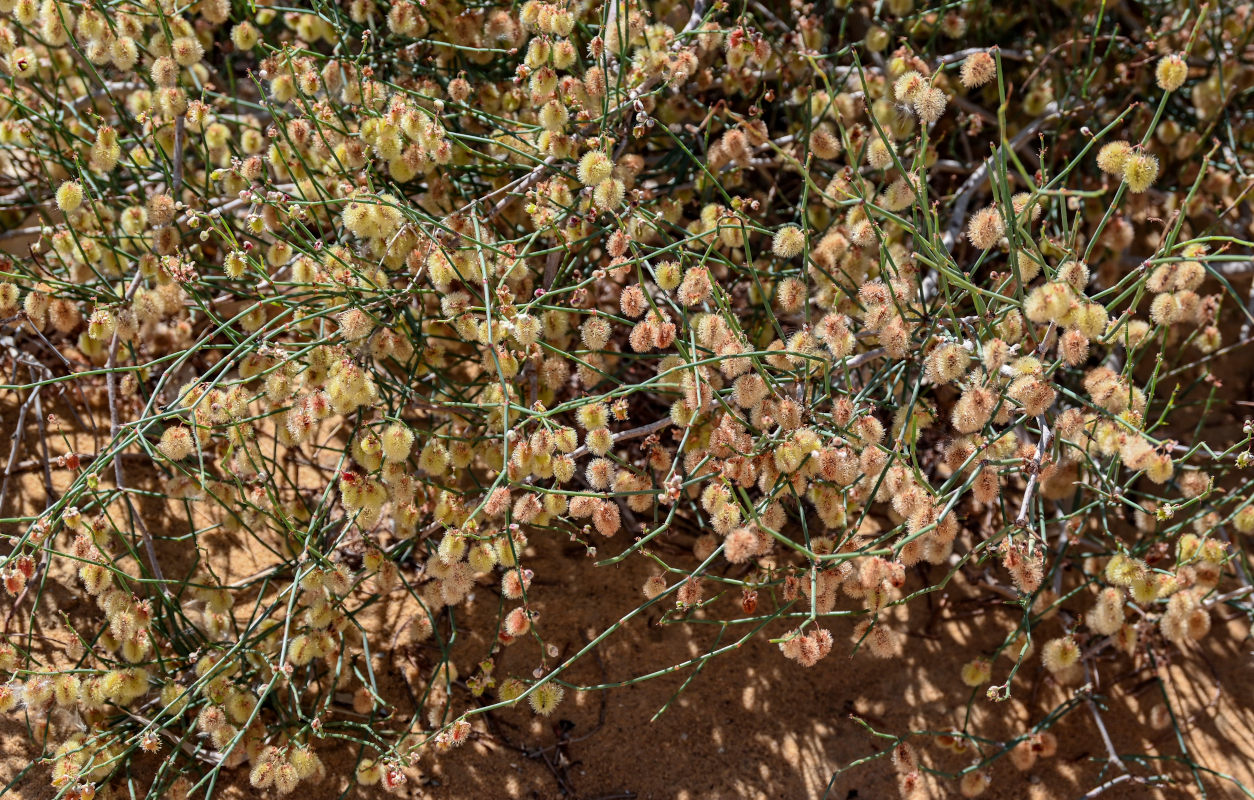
(1033,468)
(114,426)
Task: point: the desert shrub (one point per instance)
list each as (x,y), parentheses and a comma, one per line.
(812,306)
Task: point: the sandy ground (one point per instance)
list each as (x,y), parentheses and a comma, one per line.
(755,725)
